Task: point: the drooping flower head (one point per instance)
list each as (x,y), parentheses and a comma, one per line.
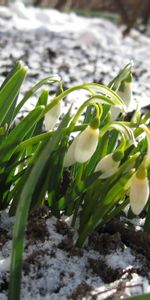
(109,164)
(83,146)
(124,91)
(52,116)
(147,157)
(139,190)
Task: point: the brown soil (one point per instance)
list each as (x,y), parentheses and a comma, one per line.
(36,228)
(137,240)
(113,237)
(81,291)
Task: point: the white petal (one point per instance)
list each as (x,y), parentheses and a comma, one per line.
(52,116)
(69,159)
(108,166)
(115,111)
(126,95)
(86,144)
(109,172)
(139,194)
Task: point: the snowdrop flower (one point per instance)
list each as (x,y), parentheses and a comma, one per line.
(125,93)
(147,157)
(108,166)
(139,190)
(52,116)
(83,146)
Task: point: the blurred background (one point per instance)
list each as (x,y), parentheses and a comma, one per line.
(80,40)
(130,12)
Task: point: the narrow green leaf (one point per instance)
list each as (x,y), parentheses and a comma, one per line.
(147,220)
(123,74)
(16,67)
(113,195)
(29,187)
(56,166)
(10,114)
(19,133)
(139,297)
(113,140)
(43,99)
(9,92)
(117,188)
(88,115)
(34,89)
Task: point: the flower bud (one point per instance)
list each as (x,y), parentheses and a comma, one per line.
(125,93)
(139,191)
(147,157)
(108,166)
(52,116)
(83,147)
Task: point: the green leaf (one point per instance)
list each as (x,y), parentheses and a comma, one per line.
(113,140)
(42,101)
(38,127)
(21,219)
(147,220)
(9,92)
(19,133)
(48,181)
(139,297)
(7,178)
(123,74)
(108,197)
(56,166)
(16,67)
(34,89)
(117,188)
(30,184)
(88,115)
(106,109)
(10,114)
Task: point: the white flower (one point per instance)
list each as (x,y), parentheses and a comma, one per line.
(52,116)
(147,157)
(139,193)
(125,95)
(83,147)
(69,158)
(108,166)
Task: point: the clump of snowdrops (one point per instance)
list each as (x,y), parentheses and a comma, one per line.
(106,163)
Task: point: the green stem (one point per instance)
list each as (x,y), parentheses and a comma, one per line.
(77,182)
(45,81)
(34,140)
(39,138)
(90,101)
(88,228)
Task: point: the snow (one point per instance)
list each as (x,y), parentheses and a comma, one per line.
(95,47)
(120,259)
(56,273)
